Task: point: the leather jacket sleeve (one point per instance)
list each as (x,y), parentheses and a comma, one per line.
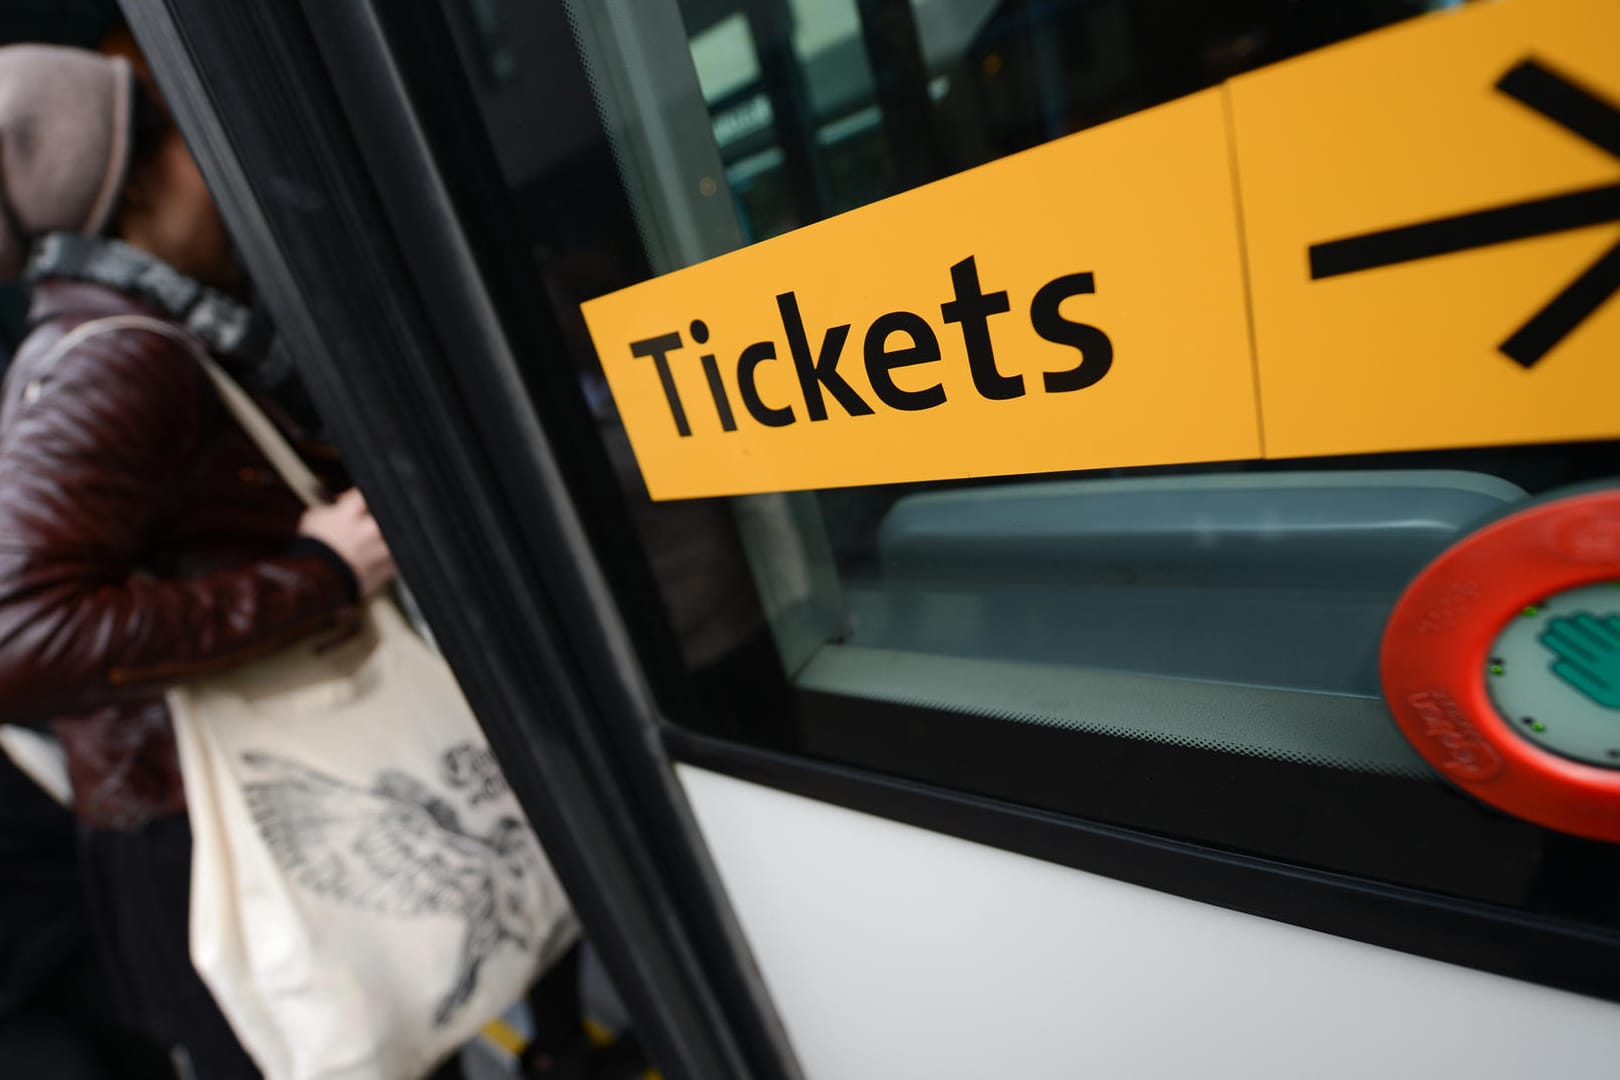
(94,455)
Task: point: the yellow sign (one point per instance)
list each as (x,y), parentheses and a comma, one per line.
(1074,306)
(1430,218)
(1426,249)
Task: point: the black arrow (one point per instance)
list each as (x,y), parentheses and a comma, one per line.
(1570,106)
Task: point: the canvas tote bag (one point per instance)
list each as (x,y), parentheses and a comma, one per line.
(365,891)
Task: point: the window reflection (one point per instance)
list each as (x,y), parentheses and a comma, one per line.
(820,106)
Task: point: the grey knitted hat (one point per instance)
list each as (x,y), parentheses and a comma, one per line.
(65,118)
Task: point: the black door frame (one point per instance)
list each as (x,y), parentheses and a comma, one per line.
(303,130)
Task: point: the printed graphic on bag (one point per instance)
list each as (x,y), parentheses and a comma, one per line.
(473,766)
(398,849)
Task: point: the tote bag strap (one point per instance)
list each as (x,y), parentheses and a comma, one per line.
(271,443)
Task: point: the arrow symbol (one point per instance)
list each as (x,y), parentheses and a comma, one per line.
(1579,111)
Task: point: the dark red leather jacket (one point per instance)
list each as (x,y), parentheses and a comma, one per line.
(143,540)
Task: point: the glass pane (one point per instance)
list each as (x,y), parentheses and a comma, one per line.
(1259,593)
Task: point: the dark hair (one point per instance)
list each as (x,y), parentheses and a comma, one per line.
(150,124)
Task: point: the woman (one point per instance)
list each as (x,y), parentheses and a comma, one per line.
(143,538)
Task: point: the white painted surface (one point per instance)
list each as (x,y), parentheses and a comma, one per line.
(892,952)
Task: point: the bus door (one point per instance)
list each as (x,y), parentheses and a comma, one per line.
(996,538)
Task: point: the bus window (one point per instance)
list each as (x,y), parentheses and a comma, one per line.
(1189,649)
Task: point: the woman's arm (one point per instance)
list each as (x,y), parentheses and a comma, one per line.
(88,467)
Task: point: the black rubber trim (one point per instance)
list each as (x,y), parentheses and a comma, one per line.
(1416,833)
(1410,832)
(1484,937)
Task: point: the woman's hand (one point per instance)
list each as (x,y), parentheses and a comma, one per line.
(348,528)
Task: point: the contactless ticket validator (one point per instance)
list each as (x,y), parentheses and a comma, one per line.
(1501,663)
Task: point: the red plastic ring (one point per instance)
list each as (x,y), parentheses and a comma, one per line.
(1438,642)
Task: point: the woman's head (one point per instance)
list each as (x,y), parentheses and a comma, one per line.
(86,148)
(165,208)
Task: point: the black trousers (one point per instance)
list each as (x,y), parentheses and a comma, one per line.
(138,885)
(64,1030)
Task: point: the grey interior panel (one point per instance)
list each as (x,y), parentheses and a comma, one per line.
(1242,611)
